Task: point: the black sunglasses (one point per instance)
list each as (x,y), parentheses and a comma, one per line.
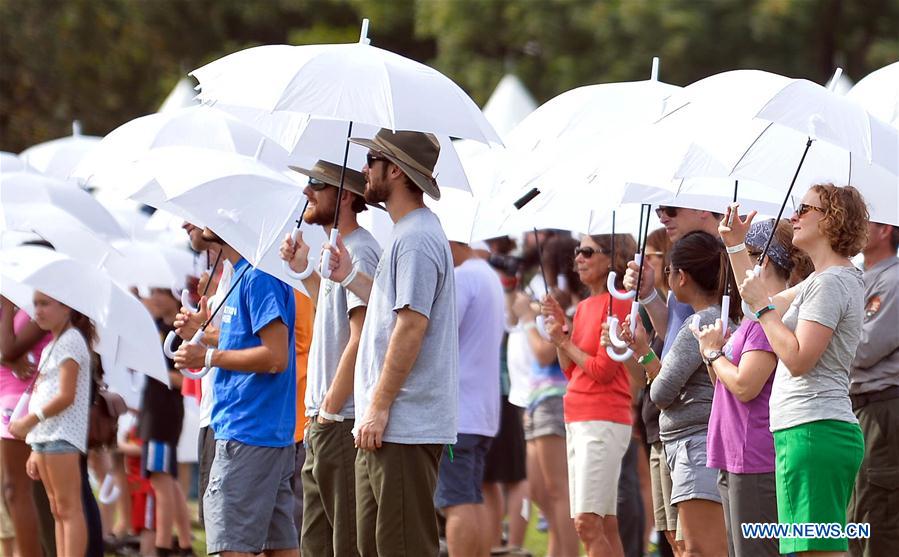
(667,270)
(805,208)
(370,159)
(670,212)
(317,185)
(588,252)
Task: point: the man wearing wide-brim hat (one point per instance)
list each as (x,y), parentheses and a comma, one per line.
(406,372)
(328,481)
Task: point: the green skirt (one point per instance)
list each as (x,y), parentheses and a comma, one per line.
(815,468)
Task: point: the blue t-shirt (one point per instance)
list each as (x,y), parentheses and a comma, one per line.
(678,312)
(255,408)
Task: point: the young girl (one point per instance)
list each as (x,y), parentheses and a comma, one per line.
(57,422)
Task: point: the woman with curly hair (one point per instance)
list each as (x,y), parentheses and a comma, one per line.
(814,329)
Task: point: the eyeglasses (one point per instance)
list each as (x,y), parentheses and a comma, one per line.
(667,270)
(654,254)
(670,212)
(317,185)
(588,252)
(370,159)
(805,208)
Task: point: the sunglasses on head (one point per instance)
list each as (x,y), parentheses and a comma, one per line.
(670,212)
(370,158)
(588,252)
(805,208)
(317,185)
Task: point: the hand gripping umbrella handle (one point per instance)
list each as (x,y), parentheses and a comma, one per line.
(747,310)
(541,327)
(197,339)
(289,272)
(168,346)
(109,491)
(613,326)
(725,312)
(610,284)
(326,255)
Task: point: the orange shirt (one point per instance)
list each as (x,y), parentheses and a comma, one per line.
(601,390)
(303,332)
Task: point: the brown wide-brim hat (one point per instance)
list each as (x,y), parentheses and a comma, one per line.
(329,173)
(416,153)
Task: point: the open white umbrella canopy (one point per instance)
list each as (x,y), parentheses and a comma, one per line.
(128,335)
(59,157)
(31,187)
(11,162)
(249,205)
(145,265)
(350,82)
(878,93)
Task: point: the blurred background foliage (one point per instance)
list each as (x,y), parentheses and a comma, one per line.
(107,61)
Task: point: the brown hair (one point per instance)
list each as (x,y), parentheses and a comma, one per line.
(359,204)
(845,221)
(702,256)
(558,259)
(625,248)
(800,264)
(659,238)
(84,326)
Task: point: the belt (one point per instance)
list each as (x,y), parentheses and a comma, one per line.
(865,399)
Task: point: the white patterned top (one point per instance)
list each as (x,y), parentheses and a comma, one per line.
(70,424)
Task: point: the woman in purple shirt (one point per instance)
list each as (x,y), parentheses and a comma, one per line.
(740,444)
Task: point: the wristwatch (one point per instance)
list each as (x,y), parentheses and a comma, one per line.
(713,355)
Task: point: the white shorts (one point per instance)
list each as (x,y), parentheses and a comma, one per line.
(595,450)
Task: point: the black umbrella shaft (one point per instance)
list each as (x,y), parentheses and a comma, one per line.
(540,259)
(642,234)
(780,213)
(732,217)
(222,303)
(612,260)
(211,271)
(346,156)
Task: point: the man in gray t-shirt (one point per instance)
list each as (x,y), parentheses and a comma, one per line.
(329,502)
(406,371)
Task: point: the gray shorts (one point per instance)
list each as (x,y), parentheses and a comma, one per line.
(547,418)
(690,477)
(248,505)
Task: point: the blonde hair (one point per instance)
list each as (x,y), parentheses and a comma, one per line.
(845,221)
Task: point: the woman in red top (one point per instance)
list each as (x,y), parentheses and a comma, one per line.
(598,401)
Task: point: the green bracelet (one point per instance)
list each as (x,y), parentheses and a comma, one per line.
(764,310)
(646,358)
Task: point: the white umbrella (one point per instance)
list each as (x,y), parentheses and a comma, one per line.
(10,162)
(181,96)
(59,157)
(878,93)
(31,187)
(147,265)
(350,82)
(128,335)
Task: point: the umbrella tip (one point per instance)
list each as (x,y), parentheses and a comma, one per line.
(363,35)
(76,127)
(654,75)
(837,73)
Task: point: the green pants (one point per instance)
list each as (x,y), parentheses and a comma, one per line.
(395,513)
(329,491)
(876,497)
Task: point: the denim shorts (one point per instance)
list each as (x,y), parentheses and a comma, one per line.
(59,446)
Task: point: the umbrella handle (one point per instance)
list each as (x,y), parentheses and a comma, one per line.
(541,327)
(619,357)
(725,312)
(197,339)
(613,326)
(167,346)
(289,272)
(185,301)
(613,290)
(326,255)
(109,491)
(747,310)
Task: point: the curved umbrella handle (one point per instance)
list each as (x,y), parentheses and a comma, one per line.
(326,255)
(747,310)
(290,272)
(725,312)
(610,283)
(541,327)
(619,357)
(185,301)
(197,339)
(613,333)
(109,491)
(168,346)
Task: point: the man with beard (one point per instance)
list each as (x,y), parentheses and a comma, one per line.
(248,508)
(406,380)
(328,476)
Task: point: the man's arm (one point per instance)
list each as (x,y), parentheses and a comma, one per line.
(877,342)
(342,266)
(402,352)
(342,386)
(271,357)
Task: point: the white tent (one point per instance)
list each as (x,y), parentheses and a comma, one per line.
(509,103)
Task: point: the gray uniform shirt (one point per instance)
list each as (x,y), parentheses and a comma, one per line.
(332,324)
(834,298)
(876,364)
(683,389)
(415,272)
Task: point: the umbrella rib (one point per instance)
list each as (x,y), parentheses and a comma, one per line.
(751,145)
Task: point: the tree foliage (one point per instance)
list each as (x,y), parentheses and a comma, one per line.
(107,61)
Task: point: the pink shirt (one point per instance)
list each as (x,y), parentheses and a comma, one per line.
(11,387)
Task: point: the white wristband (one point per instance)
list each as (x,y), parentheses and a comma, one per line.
(349,280)
(736,249)
(39,412)
(649,298)
(208,360)
(329,416)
